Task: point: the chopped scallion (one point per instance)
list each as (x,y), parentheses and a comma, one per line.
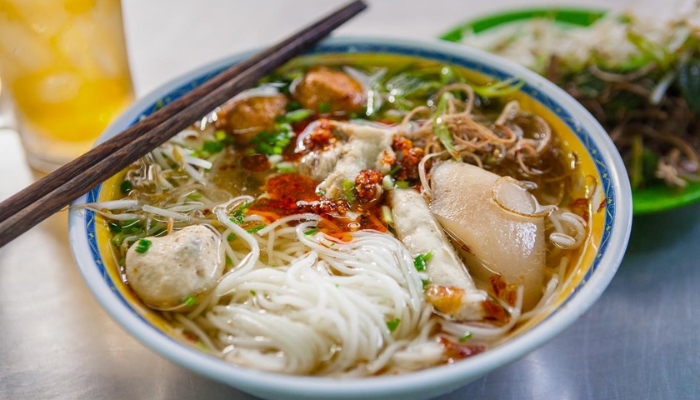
(255,228)
(311,231)
(466,337)
(142,245)
(126,187)
(393,324)
(422,260)
(189,301)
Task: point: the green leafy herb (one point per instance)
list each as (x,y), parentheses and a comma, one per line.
(255,228)
(142,245)
(440,128)
(293,105)
(286,169)
(189,301)
(311,231)
(271,143)
(425,282)
(393,324)
(394,170)
(500,88)
(297,115)
(126,187)
(349,190)
(466,337)
(231,237)
(238,214)
(422,260)
(211,147)
(324,107)
(114,227)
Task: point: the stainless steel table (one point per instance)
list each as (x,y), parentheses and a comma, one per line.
(640,341)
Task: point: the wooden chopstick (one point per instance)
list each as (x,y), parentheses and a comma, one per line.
(47,196)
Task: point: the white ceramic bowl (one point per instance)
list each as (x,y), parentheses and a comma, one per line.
(613,226)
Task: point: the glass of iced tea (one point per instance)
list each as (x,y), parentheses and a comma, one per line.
(64,65)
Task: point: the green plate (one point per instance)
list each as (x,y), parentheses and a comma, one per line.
(645,201)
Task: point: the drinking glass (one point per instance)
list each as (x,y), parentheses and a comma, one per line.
(64,65)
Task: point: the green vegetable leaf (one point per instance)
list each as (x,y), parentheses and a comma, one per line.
(255,228)
(142,245)
(211,147)
(114,227)
(126,187)
(422,260)
(393,324)
(297,116)
(238,214)
(271,143)
(349,190)
(500,88)
(440,128)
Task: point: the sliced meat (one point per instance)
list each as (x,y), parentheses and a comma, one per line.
(451,290)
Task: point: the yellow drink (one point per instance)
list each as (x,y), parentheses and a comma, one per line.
(64,64)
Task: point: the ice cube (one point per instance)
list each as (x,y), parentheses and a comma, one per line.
(59,87)
(21,47)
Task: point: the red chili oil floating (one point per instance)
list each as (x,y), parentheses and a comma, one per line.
(292,193)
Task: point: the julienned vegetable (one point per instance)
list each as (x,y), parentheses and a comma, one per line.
(639,78)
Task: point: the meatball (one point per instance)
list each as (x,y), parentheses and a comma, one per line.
(326,90)
(247,117)
(173,268)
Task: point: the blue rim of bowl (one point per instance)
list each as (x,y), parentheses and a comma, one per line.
(617,192)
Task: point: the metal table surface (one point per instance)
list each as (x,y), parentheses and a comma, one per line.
(640,341)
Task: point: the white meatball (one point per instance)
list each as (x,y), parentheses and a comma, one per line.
(184,263)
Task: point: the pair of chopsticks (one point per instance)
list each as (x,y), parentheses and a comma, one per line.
(50,194)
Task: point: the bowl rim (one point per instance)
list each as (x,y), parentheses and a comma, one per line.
(430,381)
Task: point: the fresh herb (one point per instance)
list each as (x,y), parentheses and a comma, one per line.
(189,301)
(425,282)
(293,105)
(286,169)
(210,147)
(126,187)
(142,245)
(500,88)
(231,237)
(466,337)
(272,143)
(297,116)
(440,128)
(114,227)
(393,324)
(324,107)
(349,190)
(238,214)
(255,228)
(422,260)
(311,231)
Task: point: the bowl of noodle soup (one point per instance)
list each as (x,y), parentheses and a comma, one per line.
(377,218)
